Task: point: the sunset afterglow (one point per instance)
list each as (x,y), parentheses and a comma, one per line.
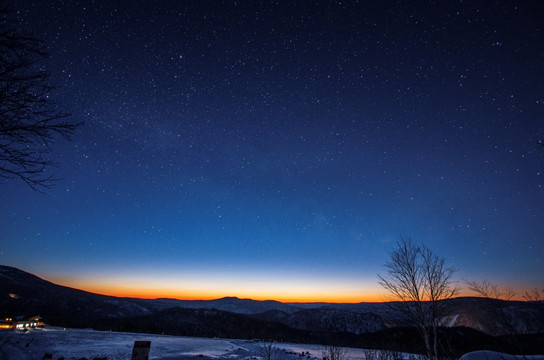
(279,150)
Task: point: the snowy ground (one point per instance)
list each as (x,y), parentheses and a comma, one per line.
(75,344)
(493,355)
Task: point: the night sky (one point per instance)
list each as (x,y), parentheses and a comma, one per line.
(280,150)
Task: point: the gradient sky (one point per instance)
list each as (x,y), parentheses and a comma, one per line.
(279,150)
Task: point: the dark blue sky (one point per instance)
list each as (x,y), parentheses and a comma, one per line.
(279,150)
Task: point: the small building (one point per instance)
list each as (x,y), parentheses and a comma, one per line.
(21,324)
(30,323)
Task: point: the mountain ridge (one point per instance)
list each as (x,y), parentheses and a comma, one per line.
(22,293)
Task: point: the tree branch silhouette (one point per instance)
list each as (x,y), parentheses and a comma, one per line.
(29,121)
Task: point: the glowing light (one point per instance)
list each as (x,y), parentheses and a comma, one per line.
(207,286)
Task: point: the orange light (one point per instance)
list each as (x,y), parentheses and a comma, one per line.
(215,286)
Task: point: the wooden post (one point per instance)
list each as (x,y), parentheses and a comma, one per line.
(141,350)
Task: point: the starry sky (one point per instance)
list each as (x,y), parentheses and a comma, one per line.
(279,150)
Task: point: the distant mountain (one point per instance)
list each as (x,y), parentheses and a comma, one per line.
(24,294)
(333,320)
(328,320)
(496,317)
(208,323)
(232,304)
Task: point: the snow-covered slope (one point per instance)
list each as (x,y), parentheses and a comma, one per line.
(497,317)
(333,320)
(90,344)
(493,355)
(56,343)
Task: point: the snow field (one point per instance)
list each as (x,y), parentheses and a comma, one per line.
(76,344)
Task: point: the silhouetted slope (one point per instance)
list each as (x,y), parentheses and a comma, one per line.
(27,295)
(329,320)
(374,325)
(208,323)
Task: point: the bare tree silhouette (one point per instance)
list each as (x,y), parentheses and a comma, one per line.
(419,281)
(331,352)
(29,121)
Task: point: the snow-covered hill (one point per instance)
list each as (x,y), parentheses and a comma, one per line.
(333,320)
(71,344)
(493,355)
(89,344)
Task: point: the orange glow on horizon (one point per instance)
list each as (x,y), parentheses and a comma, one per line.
(151,293)
(211,288)
(328,293)
(143,294)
